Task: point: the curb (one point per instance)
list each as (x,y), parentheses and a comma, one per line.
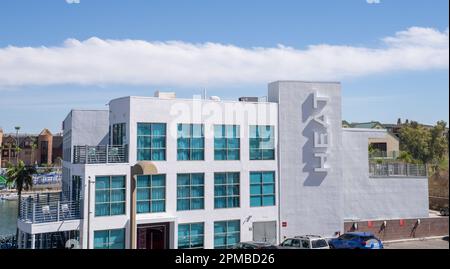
(415,239)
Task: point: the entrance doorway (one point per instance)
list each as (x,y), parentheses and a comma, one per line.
(153,236)
(265,232)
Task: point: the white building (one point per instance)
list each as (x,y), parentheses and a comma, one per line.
(161,172)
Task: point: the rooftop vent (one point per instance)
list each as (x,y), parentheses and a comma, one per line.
(165,95)
(249,99)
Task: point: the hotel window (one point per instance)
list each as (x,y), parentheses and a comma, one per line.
(262,142)
(190,191)
(190,142)
(191,235)
(227,233)
(109,239)
(262,189)
(226,142)
(118,134)
(226,190)
(151,142)
(151,194)
(109,195)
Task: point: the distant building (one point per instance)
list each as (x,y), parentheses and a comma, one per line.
(383,147)
(42,148)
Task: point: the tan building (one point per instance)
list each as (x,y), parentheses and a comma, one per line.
(387,147)
(44,148)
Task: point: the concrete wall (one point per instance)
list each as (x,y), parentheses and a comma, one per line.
(310,200)
(367,198)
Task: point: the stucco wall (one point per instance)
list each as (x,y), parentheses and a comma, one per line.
(310,201)
(367,198)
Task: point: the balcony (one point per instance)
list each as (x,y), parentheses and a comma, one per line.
(50,207)
(100,154)
(397,170)
(384,154)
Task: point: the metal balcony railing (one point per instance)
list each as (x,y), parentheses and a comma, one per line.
(384,155)
(397,170)
(100,154)
(51,207)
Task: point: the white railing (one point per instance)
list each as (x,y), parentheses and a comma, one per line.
(50,207)
(397,170)
(100,154)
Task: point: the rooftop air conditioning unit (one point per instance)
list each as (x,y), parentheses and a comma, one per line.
(214,98)
(165,95)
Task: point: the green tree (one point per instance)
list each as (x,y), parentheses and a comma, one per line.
(21,176)
(429,146)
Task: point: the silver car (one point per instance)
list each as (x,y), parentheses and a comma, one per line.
(305,242)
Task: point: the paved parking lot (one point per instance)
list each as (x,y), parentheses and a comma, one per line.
(420,244)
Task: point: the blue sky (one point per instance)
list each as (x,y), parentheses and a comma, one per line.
(407,91)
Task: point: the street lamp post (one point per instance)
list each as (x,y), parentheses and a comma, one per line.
(17,143)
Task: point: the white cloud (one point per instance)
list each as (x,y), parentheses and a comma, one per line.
(373,1)
(136,62)
(72,1)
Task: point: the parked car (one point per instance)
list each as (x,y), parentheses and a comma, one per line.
(444,211)
(356,240)
(254,245)
(305,242)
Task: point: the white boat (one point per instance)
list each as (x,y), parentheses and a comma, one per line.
(10,197)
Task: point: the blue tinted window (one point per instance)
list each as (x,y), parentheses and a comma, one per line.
(110,195)
(262,142)
(190,142)
(151,194)
(190,191)
(262,189)
(226,142)
(226,190)
(151,142)
(190,235)
(109,239)
(226,233)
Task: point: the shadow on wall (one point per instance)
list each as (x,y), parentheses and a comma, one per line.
(313,179)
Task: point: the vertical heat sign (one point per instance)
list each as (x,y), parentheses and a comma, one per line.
(321,136)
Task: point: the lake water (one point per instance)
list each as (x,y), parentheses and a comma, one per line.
(8,217)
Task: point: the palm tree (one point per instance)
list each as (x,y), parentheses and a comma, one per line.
(22,177)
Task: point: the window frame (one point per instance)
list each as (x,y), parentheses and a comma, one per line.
(261,184)
(190,138)
(227,186)
(150,188)
(261,139)
(190,235)
(151,136)
(110,193)
(190,198)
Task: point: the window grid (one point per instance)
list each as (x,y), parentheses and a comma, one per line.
(230,238)
(261,141)
(230,198)
(109,244)
(147,153)
(257,198)
(229,137)
(152,202)
(191,197)
(111,201)
(192,138)
(192,243)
